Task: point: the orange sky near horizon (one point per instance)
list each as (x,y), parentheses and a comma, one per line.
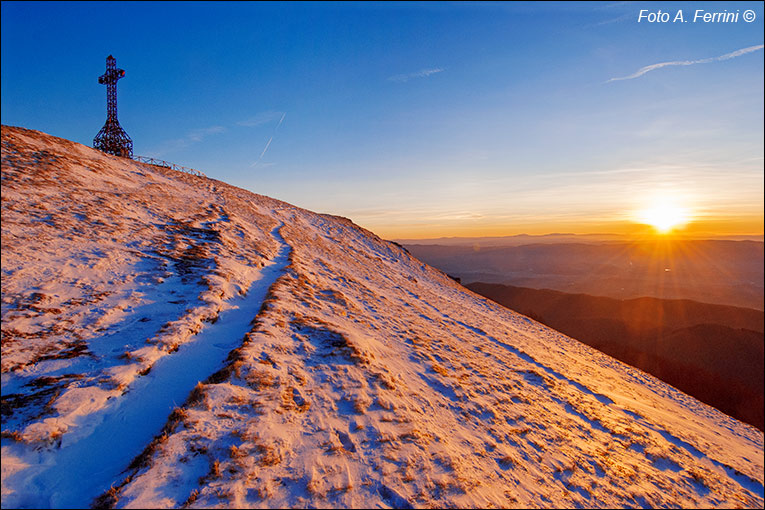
(707,228)
(710,201)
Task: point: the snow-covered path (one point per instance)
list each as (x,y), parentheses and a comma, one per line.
(72,476)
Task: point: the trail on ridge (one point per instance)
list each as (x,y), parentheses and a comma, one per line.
(74,474)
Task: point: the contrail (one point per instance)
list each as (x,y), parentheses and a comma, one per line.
(727,56)
(269,140)
(266,148)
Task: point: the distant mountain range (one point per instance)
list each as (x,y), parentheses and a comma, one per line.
(554,238)
(713,352)
(717,272)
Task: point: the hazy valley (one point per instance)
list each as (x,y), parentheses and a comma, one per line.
(718,271)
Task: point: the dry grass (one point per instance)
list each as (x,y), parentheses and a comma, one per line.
(249,433)
(179,415)
(439,370)
(214,474)
(522,431)
(313,487)
(129,356)
(327,342)
(237,452)
(12,434)
(384,380)
(259,379)
(269,455)
(198,396)
(39,402)
(192,497)
(107,500)
(361,403)
(385,403)
(417,436)
(333,447)
(342,488)
(291,399)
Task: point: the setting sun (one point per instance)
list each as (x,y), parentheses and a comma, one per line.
(664,216)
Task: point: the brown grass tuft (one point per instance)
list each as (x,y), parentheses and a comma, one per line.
(198,396)
(15,435)
(236,452)
(192,497)
(440,370)
(107,500)
(214,473)
(270,456)
(259,379)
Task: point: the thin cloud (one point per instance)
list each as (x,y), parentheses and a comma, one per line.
(194,136)
(618,19)
(261,118)
(198,135)
(423,73)
(653,67)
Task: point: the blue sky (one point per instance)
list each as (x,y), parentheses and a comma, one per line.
(418,119)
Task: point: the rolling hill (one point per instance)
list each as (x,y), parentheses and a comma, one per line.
(170,340)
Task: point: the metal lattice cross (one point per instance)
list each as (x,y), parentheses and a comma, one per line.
(112,139)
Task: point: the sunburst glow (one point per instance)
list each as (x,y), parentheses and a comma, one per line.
(664,216)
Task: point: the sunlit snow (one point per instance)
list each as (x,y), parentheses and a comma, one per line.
(336,370)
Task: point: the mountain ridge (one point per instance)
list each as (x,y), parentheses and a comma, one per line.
(363,378)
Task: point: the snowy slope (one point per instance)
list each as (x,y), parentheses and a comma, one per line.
(336,369)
